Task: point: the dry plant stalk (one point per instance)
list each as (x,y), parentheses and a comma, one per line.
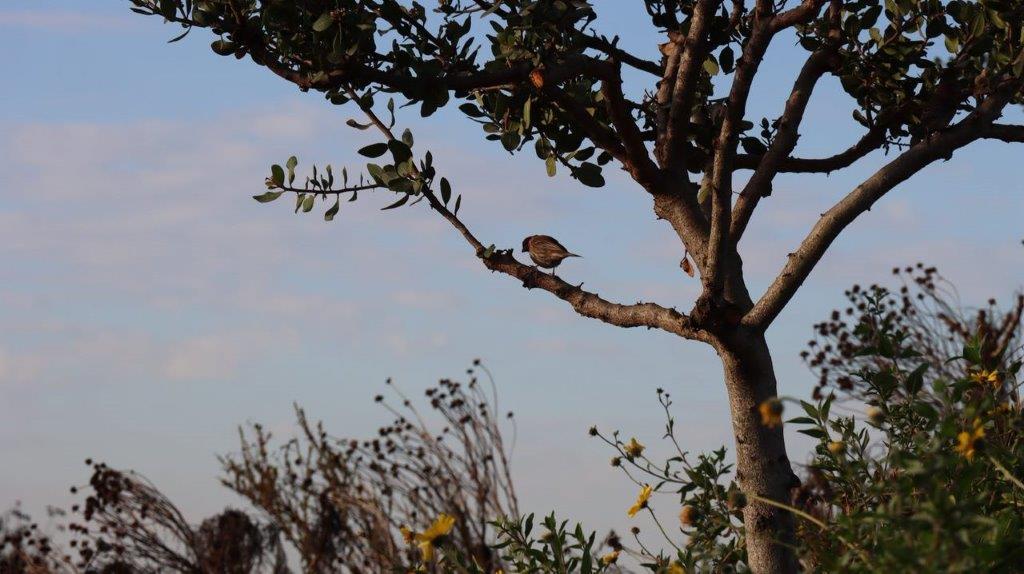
(928,312)
(341,503)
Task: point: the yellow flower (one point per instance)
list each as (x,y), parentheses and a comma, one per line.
(675,568)
(610,558)
(970,442)
(641,500)
(985,376)
(876,415)
(771,412)
(837,447)
(407,534)
(429,538)
(633,448)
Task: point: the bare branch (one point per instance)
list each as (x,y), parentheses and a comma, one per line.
(1005,132)
(871,141)
(694,51)
(785,140)
(725,151)
(801,14)
(938,146)
(639,162)
(602,44)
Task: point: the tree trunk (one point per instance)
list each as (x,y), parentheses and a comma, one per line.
(762,467)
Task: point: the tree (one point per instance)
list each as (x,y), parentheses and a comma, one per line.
(926,78)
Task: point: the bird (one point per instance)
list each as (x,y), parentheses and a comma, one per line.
(546,251)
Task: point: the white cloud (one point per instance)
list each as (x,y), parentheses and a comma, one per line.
(425,300)
(217,356)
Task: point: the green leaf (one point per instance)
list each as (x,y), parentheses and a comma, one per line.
(223,47)
(376,172)
(816,433)
(972,352)
(268,196)
(446,191)
(407,138)
(952,44)
(510,140)
(551,166)
(589,174)
(400,185)
(471,110)
(810,409)
(325,21)
(330,213)
(277,175)
(727,59)
(801,421)
(705,190)
(168,8)
(374,150)
(711,66)
(399,203)
(915,380)
(307,203)
(526,112)
(292,162)
(753,146)
(458,204)
(399,150)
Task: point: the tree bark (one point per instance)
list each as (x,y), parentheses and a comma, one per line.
(762,466)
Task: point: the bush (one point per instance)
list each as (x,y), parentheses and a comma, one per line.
(917,466)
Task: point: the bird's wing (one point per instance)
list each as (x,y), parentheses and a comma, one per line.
(553,243)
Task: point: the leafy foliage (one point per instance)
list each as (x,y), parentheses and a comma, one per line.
(925,79)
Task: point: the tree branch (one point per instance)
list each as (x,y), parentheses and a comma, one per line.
(602,137)
(725,148)
(587,304)
(869,142)
(1005,132)
(938,146)
(608,48)
(785,140)
(640,165)
(801,14)
(694,47)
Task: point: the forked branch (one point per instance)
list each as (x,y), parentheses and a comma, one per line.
(585,303)
(938,146)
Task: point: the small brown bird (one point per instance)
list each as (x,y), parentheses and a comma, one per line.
(546,251)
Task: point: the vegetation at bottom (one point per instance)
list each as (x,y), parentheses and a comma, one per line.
(916,467)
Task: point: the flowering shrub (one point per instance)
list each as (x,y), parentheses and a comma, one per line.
(920,471)
(917,467)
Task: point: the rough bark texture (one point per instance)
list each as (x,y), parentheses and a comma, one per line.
(762,466)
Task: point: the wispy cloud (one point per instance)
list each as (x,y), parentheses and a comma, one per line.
(60,20)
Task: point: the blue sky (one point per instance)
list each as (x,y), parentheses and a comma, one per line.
(149,305)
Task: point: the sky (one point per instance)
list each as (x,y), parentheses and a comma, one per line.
(148,306)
